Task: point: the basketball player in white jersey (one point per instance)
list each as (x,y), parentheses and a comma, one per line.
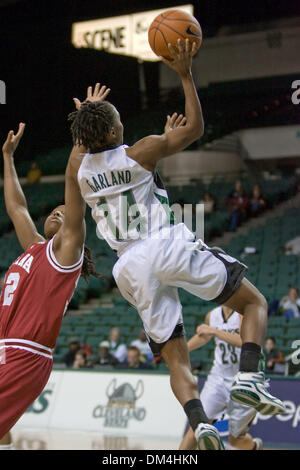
(223,325)
(130,207)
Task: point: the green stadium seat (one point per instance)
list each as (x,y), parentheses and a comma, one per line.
(189,322)
(276,321)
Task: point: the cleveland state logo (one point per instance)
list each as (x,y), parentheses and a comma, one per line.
(121,408)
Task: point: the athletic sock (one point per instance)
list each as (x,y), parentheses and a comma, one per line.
(250,356)
(195,413)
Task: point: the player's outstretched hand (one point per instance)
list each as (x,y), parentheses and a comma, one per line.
(99,94)
(13,140)
(174,121)
(182,57)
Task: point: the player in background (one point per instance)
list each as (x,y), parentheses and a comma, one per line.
(37,289)
(223,325)
(156,257)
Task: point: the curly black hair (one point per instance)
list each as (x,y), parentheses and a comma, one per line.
(91,124)
(88,267)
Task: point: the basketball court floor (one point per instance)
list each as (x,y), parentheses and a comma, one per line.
(41,439)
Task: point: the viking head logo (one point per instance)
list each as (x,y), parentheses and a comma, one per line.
(124,395)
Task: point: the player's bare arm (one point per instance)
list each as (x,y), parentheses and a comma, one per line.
(199,340)
(151,149)
(231,338)
(99,93)
(69,241)
(15,200)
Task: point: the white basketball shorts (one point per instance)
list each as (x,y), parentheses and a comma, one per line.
(149,273)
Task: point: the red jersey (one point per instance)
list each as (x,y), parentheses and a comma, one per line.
(35,295)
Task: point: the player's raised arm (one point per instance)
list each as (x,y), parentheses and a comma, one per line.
(149,150)
(15,200)
(68,243)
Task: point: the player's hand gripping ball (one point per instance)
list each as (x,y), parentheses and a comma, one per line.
(170,26)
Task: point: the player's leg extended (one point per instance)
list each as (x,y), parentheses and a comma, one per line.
(208,271)
(6,442)
(250,303)
(249,386)
(185,388)
(139,278)
(213,397)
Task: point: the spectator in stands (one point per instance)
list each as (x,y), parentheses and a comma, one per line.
(74,347)
(257,202)
(237,203)
(80,361)
(105,358)
(292,247)
(209,203)
(142,344)
(290,304)
(116,348)
(272,355)
(134,361)
(34,174)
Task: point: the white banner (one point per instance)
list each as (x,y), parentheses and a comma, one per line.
(125,35)
(124,403)
(271,142)
(41,411)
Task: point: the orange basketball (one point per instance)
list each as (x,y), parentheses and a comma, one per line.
(168,27)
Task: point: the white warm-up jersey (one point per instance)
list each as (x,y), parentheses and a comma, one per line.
(128,202)
(227,357)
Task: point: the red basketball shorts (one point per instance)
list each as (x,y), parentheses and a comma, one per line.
(23,376)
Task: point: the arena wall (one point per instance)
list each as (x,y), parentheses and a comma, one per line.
(141,404)
(242,56)
(185,166)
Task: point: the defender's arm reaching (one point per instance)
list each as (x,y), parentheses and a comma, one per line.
(69,241)
(15,200)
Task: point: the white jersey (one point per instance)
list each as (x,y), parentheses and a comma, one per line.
(215,394)
(227,357)
(128,202)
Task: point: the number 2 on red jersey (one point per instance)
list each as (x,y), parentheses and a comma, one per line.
(10,287)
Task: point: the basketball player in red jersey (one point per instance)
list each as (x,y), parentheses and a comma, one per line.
(37,289)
